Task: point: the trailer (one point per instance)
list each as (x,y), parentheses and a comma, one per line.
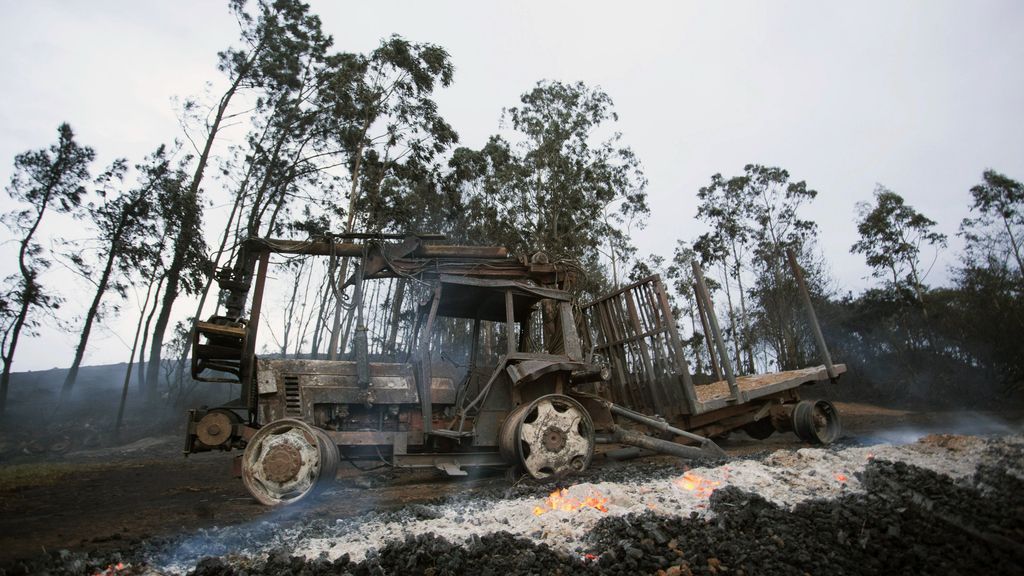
(499,367)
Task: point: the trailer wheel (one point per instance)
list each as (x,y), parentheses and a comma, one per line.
(816,421)
(288,460)
(550,436)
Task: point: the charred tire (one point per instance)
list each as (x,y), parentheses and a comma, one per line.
(287,460)
(552,436)
(816,421)
(760,429)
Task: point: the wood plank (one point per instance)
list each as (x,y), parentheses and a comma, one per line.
(762,384)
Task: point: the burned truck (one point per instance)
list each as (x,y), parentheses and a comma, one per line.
(537,380)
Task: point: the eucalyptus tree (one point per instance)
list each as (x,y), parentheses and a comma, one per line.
(49,180)
(274,36)
(125,227)
(997,231)
(185,262)
(776,226)
(566,184)
(892,234)
(680,274)
(379,111)
(725,205)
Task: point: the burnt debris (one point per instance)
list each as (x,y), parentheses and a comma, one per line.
(910,520)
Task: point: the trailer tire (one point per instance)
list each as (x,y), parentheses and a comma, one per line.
(817,422)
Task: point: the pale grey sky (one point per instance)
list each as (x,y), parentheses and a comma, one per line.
(919,96)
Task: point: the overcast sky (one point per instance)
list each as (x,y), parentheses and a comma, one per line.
(918,96)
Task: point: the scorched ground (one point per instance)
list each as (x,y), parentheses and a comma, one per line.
(945,504)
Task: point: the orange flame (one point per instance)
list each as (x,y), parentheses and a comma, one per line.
(697,484)
(841,478)
(561,500)
(112,569)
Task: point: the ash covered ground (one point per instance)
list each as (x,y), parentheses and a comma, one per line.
(949,504)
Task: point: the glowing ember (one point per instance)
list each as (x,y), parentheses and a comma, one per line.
(112,569)
(697,484)
(841,478)
(561,500)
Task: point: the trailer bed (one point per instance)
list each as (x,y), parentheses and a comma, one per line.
(717,395)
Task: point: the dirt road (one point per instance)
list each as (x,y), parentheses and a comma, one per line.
(103,499)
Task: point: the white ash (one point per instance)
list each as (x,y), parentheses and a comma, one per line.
(786,477)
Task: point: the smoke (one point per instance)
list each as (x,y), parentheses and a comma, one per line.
(38,423)
(968,423)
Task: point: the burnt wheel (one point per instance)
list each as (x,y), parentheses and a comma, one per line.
(550,436)
(816,421)
(288,460)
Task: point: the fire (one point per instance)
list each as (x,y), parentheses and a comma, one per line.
(112,569)
(561,500)
(841,478)
(699,485)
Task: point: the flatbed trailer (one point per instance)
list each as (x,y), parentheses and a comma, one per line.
(634,331)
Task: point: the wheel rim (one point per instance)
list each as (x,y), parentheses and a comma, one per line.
(816,421)
(287,460)
(553,435)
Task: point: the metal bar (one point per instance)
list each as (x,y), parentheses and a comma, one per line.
(350,249)
(709,450)
(571,338)
(423,369)
(713,320)
(707,332)
(650,312)
(819,338)
(661,348)
(618,292)
(249,356)
(645,354)
(510,323)
(620,324)
(471,459)
(373,236)
(356,438)
(677,345)
(660,424)
(619,383)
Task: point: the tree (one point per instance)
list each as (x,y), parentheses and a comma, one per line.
(559,187)
(273,42)
(777,227)
(187,267)
(892,234)
(754,218)
(49,180)
(996,233)
(380,112)
(725,205)
(124,226)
